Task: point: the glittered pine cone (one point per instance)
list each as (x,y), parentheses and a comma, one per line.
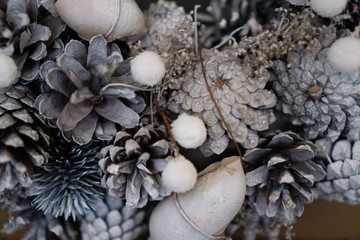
(133,165)
(239,93)
(280,173)
(30,34)
(23,137)
(316,95)
(111,219)
(342,161)
(171,35)
(84,93)
(70,183)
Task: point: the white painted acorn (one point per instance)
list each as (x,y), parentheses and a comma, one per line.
(114,19)
(204,212)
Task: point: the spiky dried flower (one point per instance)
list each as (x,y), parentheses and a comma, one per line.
(238,91)
(342,161)
(23,137)
(87,92)
(30,34)
(70,183)
(280,173)
(112,219)
(316,95)
(133,165)
(171,35)
(223,17)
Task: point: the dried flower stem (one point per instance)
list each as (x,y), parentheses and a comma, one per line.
(166,119)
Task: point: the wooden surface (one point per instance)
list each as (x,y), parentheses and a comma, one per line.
(321,221)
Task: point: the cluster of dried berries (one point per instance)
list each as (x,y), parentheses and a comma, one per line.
(82,136)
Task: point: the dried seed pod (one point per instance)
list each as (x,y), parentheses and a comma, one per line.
(206,210)
(112,19)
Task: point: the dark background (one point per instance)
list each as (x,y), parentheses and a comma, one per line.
(321,220)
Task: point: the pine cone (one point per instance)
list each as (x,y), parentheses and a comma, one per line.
(281,173)
(171,35)
(70,183)
(238,91)
(253,224)
(83,90)
(23,137)
(316,95)
(31,34)
(342,160)
(133,165)
(40,226)
(111,219)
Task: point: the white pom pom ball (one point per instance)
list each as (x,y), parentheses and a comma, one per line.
(328,8)
(189,131)
(344,54)
(8,71)
(179,175)
(148,68)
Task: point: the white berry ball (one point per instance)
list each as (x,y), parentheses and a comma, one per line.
(328,8)
(8,71)
(179,175)
(189,131)
(148,68)
(344,54)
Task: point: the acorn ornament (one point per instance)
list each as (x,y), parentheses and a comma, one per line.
(205,211)
(114,19)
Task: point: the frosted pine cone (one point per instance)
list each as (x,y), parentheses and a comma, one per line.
(82,94)
(23,136)
(253,224)
(70,183)
(342,160)
(238,91)
(171,35)
(31,34)
(316,95)
(133,165)
(111,219)
(281,173)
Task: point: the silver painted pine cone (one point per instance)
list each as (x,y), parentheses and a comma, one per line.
(238,91)
(111,219)
(314,94)
(82,97)
(23,137)
(133,165)
(280,174)
(30,34)
(342,161)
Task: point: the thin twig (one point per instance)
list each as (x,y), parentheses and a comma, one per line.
(217,106)
(166,119)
